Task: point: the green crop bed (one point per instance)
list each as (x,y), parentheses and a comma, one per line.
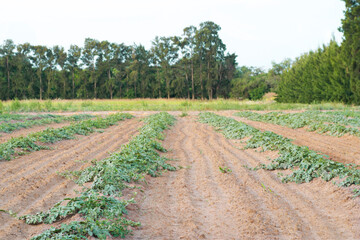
(101,210)
(30,143)
(27,122)
(336,123)
(304,163)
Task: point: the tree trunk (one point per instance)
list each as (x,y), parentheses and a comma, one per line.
(192,80)
(219,84)
(94,87)
(168,88)
(8,76)
(120,91)
(201,82)
(209,83)
(40,70)
(187,84)
(73,85)
(49,83)
(167,80)
(109,77)
(85,83)
(64,83)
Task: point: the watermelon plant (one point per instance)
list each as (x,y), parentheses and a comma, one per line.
(334,123)
(32,142)
(305,164)
(99,206)
(8,126)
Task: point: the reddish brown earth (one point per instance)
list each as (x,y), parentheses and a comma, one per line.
(345,149)
(31,183)
(200,202)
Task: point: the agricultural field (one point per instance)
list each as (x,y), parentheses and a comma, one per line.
(184,174)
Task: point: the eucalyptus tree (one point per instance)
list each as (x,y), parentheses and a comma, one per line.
(188,50)
(60,59)
(88,58)
(22,83)
(110,55)
(214,51)
(165,53)
(39,60)
(7,52)
(137,70)
(72,63)
(50,70)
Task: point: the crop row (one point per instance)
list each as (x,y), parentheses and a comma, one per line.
(331,123)
(6,117)
(31,142)
(8,127)
(304,163)
(101,210)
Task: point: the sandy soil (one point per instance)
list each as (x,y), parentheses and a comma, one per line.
(200,202)
(345,149)
(31,183)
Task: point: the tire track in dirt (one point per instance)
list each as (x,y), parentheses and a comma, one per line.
(200,202)
(343,149)
(36,186)
(25,131)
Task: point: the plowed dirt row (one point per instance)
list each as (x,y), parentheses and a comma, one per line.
(31,183)
(25,131)
(200,202)
(344,149)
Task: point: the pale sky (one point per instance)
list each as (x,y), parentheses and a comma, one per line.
(258,31)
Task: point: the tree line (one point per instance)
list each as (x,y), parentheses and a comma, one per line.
(332,72)
(194,65)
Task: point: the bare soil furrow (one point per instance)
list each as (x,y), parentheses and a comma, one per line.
(200,202)
(35,162)
(284,199)
(41,189)
(94,149)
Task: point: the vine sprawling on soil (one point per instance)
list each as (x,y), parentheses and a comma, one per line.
(99,206)
(31,142)
(335,123)
(304,163)
(8,125)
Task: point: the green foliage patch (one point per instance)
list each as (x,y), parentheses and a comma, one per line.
(29,121)
(101,209)
(334,123)
(304,163)
(21,145)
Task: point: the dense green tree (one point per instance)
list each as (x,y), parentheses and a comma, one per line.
(89,54)
(193,65)
(188,50)
(165,52)
(39,60)
(351,29)
(60,59)
(72,64)
(7,52)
